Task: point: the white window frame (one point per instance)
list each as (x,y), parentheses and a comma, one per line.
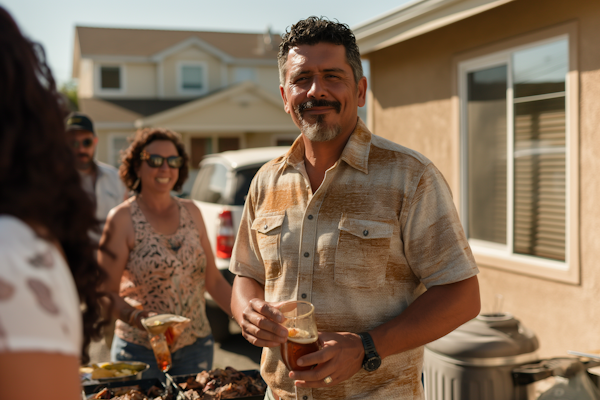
(111,145)
(501,256)
(98,77)
(192,92)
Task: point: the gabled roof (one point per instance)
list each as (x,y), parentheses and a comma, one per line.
(146,107)
(416,18)
(107,115)
(148,42)
(241,107)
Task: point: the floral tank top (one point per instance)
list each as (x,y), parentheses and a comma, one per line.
(165,274)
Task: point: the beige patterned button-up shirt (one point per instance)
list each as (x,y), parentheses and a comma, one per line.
(379,230)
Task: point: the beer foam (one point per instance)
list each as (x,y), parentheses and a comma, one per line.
(298,333)
(300,336)
(303,340)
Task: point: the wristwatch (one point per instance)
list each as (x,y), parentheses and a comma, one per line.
(372,361)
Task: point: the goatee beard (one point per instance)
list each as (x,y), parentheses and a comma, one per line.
(318,131)
(84,165)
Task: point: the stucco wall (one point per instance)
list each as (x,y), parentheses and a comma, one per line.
(413,84)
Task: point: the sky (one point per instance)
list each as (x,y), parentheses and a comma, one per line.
(52,23)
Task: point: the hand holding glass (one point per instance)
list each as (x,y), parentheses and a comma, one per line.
(299,319)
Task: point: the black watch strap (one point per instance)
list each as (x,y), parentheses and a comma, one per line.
(372,361)
(368,344)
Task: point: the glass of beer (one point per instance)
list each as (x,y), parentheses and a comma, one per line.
(161,352)
(302,333)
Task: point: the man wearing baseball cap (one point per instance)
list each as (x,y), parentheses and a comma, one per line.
(101,181)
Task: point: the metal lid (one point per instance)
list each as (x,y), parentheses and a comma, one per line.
(487,336)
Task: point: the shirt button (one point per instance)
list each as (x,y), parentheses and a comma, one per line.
(304,296)
(310,217)
(266,226)
(304,397)
(306,254)
(366,232)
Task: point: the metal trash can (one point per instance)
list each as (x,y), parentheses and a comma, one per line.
(475,361)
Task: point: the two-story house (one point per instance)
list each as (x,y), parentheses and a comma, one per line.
(219,90)
(502,95)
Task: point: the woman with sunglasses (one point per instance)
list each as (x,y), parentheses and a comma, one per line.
(158,257)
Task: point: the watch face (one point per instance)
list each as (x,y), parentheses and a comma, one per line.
(372,363)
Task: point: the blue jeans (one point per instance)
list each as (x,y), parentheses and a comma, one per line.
(188,360)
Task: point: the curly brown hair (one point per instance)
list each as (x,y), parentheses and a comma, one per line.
(38,180)
(131,162)
(314,30)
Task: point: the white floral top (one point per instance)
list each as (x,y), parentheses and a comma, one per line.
(165,274)
(39,305)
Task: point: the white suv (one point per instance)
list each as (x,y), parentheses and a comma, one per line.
(220,191)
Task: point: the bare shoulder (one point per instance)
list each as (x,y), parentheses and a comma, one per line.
(195,214)
(191,207)
(120,213)
(119,225)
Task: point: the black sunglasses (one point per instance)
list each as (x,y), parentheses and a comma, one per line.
(87,142)
(156,161)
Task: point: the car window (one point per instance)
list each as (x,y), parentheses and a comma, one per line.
(243,178)
(210,184)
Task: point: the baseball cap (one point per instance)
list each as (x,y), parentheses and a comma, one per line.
(78,121)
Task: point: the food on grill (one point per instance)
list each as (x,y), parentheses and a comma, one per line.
(113,370)
(100,373)
(132,393)
(219,384)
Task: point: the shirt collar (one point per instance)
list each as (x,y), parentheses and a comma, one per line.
(355,153)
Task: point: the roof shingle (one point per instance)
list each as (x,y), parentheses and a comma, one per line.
(147,42)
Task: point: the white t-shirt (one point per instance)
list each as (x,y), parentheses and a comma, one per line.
(39,305)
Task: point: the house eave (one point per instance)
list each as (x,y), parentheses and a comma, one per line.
(415,19)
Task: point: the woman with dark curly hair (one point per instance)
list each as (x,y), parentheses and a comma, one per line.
(163,262)
(48,268)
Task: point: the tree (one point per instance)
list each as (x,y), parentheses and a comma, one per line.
(69,89)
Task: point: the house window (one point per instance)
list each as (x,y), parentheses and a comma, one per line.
(192,78)
(514,128)
(110,77)
(118,144)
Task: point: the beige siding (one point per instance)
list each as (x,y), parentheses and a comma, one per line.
(140,81)
(191,54)
(268,78)
(245,110)
(413,84)
(85,87)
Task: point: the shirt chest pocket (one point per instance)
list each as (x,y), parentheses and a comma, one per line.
(362,252)
(268,236)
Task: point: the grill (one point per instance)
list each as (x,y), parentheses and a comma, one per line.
(475,361)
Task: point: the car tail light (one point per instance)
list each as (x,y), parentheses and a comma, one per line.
(225,235)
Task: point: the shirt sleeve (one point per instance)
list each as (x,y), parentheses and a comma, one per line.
(246,259)
(436,247)
(39,307)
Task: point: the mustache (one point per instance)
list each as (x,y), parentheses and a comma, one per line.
(320,103)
